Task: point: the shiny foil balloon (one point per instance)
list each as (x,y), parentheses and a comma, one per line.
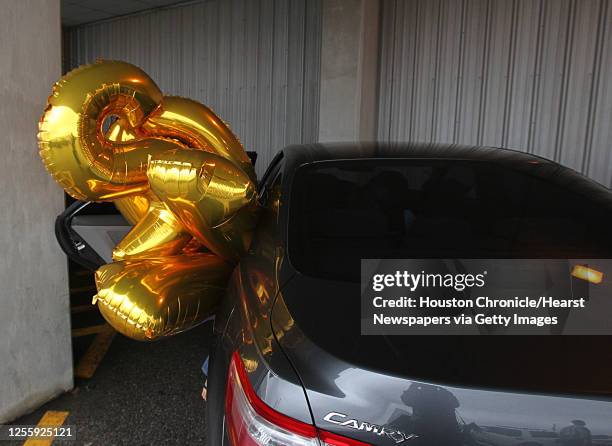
(174,170)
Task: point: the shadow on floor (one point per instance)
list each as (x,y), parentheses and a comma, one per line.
(141,394)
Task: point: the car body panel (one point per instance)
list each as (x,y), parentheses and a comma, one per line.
(436,413)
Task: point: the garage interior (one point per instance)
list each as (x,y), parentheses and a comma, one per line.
(532,75)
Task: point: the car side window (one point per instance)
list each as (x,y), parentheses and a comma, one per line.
(272,190)
(272,168)
(268,178)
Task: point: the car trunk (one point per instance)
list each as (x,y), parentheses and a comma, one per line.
(328,313)
(438,390)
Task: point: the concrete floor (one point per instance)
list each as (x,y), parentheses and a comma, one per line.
(141,394)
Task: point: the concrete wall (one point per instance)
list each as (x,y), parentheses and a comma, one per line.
(35,347)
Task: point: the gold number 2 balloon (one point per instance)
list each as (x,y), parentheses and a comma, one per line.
(174,170)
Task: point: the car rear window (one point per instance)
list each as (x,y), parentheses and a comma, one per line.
(343,211)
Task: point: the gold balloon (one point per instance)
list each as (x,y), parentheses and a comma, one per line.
(157,297)
(174,170)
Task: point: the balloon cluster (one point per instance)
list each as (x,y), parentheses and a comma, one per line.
(174,170)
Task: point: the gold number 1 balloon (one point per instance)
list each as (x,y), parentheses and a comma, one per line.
(173,169)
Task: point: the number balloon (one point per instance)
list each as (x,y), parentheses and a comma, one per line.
(174,170)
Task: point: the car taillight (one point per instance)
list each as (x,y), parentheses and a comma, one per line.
(251,422)
(329,439)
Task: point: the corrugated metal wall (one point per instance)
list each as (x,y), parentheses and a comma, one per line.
(535,75)
(256,63)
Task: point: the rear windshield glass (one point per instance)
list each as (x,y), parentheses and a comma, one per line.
(343,211)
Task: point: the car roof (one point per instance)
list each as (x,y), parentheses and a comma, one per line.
(304,153)
(297,155)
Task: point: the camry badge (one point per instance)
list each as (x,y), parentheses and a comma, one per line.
(343,420)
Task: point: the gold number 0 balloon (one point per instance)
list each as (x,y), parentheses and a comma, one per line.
(174,170)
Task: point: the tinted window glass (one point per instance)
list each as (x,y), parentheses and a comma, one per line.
(543,434)
(342,211)
(504,431)
(271,171)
